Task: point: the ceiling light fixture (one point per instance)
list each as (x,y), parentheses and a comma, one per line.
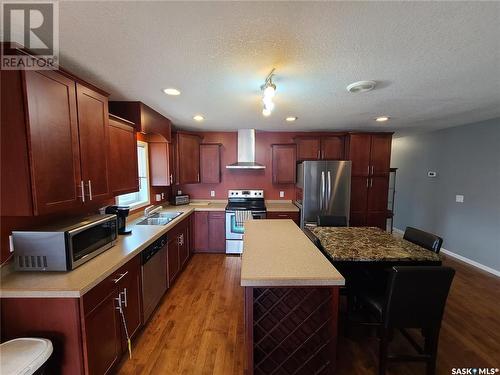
(361,86)
(171,91)
(291,118)
(382,118)
(198,118)
(268,93)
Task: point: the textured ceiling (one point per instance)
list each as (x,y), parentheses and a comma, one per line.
(437,63)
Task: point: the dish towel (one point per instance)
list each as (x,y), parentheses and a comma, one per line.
(241,216)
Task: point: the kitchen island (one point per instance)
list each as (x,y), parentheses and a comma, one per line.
(291,301)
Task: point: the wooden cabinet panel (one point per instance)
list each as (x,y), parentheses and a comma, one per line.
(173,262)
(284,158)
(123,169)
(378,193)
(359,154)
(200,231)
(380,156)
(183,245)
(357,219)
(308,148)
(377,219)
(359,193)
(332,148)
(53,137)
(93,132)
(159,166)
(188,158)
(217,232)
(284,215)
(210,172)
(102,336)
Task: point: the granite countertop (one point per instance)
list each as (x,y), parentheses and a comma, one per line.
(369,244)
(277,253)
(75,283)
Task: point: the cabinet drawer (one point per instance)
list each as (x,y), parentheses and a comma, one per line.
(283,215)
(217,215)
(109,285)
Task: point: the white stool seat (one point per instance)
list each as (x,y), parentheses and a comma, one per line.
(24,356)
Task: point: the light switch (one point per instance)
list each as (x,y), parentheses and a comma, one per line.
(158,197)
(282,194)
(459,198)
(212,193)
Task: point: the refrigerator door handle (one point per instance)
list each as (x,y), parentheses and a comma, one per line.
(329,188)
(322,193)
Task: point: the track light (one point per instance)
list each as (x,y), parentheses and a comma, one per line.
(268,93)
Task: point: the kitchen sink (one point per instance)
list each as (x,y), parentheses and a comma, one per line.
(159,218)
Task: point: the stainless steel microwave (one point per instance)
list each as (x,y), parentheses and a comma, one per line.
(65,246)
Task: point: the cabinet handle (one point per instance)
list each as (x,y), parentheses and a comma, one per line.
(282,215)
(319,154)
(171,179)
(368,169)
(120,277)
(125,299)
(119,300)
(372,169)
(367,182)
(82,189)
(90,190)
(371,182)
(198,177)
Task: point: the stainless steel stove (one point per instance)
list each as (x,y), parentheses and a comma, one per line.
(242,205)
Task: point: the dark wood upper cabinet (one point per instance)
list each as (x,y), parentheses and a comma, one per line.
(147,120)
(359,154)
(188,158)
(380,155)
(332,148)
(308,148)
(123,169)
(53,142)
(159,164)
(284,158)
(210,170)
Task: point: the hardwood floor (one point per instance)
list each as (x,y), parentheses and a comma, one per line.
(198,328)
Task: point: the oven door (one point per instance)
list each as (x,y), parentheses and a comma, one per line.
(90,240)
(233,231)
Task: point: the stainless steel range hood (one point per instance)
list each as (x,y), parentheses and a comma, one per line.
(246,151)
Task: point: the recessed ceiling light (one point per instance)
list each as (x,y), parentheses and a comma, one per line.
(171,91)
(382,118)
(198,118)
(291,118)
(361,86)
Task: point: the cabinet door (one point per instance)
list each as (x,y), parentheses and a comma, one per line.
(377,219)
(123,169)
(93,130)
(210,172)
(332,148)
(378,193)
(173,264)
(53,135)
(308,148)
(295,216)
(359,193)
(359,154)
(130,288)
(183,246)
(380,157)
(188,154)
(159,163)
(284,163)
(200,231)
(102,335)
(217,232)
(357,219)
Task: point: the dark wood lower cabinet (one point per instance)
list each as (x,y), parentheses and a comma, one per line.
(179,249)
(173,262)
(295,216)
(209,232)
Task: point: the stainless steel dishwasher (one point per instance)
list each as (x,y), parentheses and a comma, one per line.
(154,275)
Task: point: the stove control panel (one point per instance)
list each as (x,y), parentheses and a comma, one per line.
(245,193)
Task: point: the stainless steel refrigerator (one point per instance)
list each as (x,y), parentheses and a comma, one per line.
(326,189)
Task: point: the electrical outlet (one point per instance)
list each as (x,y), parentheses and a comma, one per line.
(11,244)
(212,193)
(282,194)
(158,197)
(179,192)
(162,196)
(459,198)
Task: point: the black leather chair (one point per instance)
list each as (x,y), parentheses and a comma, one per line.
(331,221)
(426,240)
(415,297)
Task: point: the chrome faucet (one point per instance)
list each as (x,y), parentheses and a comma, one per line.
(151,210)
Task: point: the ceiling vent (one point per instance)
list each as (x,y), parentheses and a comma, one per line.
(361,86)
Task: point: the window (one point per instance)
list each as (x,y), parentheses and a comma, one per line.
(141,197)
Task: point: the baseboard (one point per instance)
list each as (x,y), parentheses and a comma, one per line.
(461,257)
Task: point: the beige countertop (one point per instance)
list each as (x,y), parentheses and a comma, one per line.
(77,282)
(277,253)
(281,206)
